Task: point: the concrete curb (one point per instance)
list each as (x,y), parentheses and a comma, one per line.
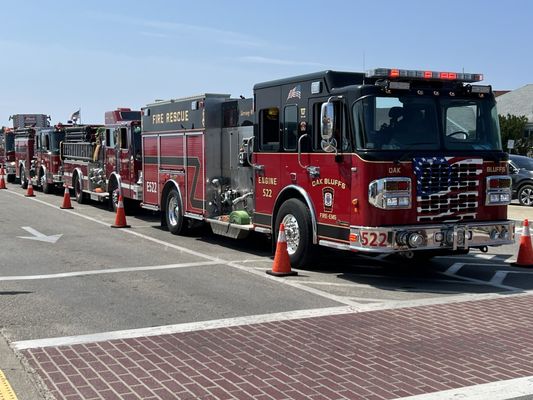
(23,379)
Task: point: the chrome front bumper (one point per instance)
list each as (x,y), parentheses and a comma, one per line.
(10,168)
(458,236)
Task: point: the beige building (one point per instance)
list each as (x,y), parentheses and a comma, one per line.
(518,102)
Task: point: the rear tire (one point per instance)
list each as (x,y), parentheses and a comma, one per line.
(177,224)
(297,220)
(525,195)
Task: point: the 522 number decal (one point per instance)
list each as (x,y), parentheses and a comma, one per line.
(373,239)
(151,187)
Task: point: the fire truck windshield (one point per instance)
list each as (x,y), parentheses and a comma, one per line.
(10,142)
(55,140)
(414,122)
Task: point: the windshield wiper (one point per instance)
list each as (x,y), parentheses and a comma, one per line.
(406,156)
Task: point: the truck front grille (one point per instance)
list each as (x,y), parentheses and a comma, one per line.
(447,188)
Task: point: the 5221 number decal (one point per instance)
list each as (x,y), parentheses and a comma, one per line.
(373,239)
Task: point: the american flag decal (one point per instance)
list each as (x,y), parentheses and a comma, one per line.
(295,93)
(447,188)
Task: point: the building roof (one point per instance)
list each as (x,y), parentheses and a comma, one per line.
(499,92)
(517,102)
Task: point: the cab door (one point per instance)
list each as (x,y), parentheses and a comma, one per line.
(110,152)
(331,188)
(266,155)
(123,162)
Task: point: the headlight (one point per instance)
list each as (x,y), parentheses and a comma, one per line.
(390,193)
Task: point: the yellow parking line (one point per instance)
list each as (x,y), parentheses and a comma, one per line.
(6,393)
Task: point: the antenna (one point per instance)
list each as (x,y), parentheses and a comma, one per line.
(364,61)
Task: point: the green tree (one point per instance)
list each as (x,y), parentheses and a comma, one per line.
(512,127)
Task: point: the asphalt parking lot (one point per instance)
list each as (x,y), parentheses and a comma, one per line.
(85,312)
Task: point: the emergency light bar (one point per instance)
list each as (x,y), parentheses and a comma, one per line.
(392,73)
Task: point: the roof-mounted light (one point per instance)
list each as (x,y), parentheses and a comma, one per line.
(393,73)
(480,89)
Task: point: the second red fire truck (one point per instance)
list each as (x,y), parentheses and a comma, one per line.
(392,161)
(101,162)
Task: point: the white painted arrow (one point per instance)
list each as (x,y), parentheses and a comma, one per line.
(39,236)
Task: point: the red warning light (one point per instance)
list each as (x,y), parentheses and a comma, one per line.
(428,74)
(394,73)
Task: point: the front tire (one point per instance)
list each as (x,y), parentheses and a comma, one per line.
(525,195)
(78,192)
(113,196)
(297,220)
(177,224)
(23,180)
(47,188)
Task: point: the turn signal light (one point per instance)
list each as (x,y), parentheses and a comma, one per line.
(498,190)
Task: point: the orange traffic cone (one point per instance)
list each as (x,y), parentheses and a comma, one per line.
(282,263)
(66,200)
(2,179)
(525,250)
(30,193)
(120,220)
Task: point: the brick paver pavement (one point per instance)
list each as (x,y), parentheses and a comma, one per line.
(369,355)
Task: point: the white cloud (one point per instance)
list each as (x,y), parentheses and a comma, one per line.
(278,61)
(154,34)
(219,35)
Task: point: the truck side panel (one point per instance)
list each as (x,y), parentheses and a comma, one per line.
(151,184)
(195,173)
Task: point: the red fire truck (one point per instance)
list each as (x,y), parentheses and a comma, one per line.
(25,126)
(24,153)
(391,161)
(7,152)
(101,162)
(46,171)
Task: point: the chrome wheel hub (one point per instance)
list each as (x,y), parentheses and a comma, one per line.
(292,232)
(173,210)
(115,196)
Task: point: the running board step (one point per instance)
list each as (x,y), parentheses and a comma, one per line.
(228,229)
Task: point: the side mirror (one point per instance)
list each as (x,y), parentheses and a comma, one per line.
(327,118)
(329,146)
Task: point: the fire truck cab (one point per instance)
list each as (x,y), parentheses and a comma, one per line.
(123,156)
(7,152)
(46,171)
(24,153)
(121,114)
(389,161)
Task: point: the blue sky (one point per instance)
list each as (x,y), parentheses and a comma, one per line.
(57,56)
